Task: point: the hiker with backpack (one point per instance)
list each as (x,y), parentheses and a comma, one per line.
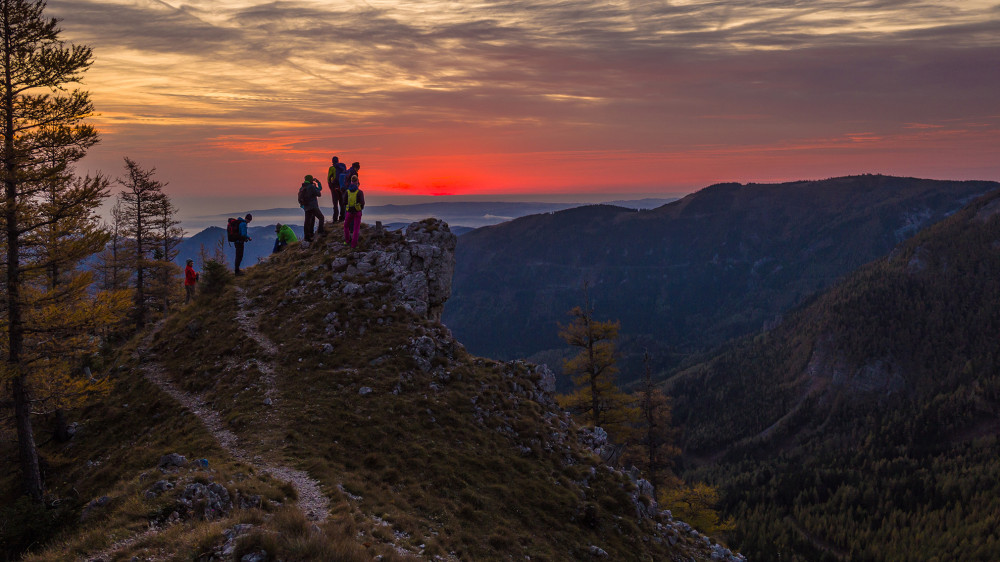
(354,201)
(311,189)
(190,279)
(285,236)
(236,230)
(352,173)
(336,179)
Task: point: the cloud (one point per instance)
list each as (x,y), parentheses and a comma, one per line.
(289,77)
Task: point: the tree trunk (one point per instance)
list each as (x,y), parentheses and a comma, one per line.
(30,470)
(15,337)
(61,431)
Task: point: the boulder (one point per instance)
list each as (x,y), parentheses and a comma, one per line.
(173,460)
(206,501)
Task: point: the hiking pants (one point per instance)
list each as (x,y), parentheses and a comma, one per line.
(311,216)
(239,253)
(188,293)
(352,228)
(338,215)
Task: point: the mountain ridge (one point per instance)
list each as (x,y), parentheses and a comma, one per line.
(866,422)
(686,276)
(330,363)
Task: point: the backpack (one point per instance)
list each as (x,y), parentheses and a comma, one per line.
(303,196)
(233,231)
(352,200)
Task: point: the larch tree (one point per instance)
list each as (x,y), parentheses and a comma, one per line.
(143,199)
(656,435)
(168,235)
(65,315)
(597,400)
(47,217)
(114,261)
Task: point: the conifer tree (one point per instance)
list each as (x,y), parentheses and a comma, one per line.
(43,133)
(143,199)
(597,398)
(168,235)
(113,269)
(656,434)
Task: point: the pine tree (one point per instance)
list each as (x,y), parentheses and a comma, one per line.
(43,130)
(143,199)
(597,398)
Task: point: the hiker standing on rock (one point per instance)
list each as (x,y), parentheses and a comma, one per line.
(354,202)
(285,236)
(241,239)
(190,279)
(336,179)
(310,190)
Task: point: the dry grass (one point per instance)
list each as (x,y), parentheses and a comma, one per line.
(452,461)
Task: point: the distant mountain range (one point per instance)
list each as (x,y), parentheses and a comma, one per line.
(471,214)
(462,217)
(688,275)
(865,425)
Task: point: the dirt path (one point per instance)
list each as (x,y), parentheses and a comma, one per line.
(311,500)
(244,317)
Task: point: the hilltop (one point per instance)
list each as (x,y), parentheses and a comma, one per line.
(316,409)
(864,425)
(687,276)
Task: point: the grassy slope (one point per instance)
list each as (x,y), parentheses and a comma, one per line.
(448,455)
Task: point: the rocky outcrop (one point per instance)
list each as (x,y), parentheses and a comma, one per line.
(420,263)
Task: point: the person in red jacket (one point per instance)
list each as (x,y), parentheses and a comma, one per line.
(190,279)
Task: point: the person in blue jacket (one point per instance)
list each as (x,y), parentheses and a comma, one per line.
(243,239)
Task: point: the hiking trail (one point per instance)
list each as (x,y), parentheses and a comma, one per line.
(311,500)
(246,321)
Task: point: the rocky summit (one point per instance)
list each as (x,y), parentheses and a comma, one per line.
(316,409)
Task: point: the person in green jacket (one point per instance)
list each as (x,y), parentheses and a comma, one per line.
(285,236)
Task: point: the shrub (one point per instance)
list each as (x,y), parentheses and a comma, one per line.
(214,277)
(24,523)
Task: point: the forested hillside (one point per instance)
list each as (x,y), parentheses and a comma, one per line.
(689,275)
(865,426)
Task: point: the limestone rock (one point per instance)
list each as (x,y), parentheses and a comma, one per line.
(173,460)
(206,501)
(94,505)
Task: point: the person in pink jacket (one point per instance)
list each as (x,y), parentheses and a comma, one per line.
(354,202)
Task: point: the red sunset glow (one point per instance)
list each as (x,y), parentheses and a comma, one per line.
(223,98)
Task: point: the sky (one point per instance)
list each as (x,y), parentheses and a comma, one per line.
(236,100)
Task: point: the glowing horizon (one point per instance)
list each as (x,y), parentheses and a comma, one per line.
(240,97)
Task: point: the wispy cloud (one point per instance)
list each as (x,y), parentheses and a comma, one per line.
(380,77)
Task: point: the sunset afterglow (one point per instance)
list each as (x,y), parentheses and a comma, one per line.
(239,97)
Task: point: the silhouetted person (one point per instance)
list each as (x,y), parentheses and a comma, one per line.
(336,180)
(243,239)
(352,173)
(354,202)
(308,193)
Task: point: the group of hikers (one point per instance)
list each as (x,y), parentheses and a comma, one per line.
(348,202)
